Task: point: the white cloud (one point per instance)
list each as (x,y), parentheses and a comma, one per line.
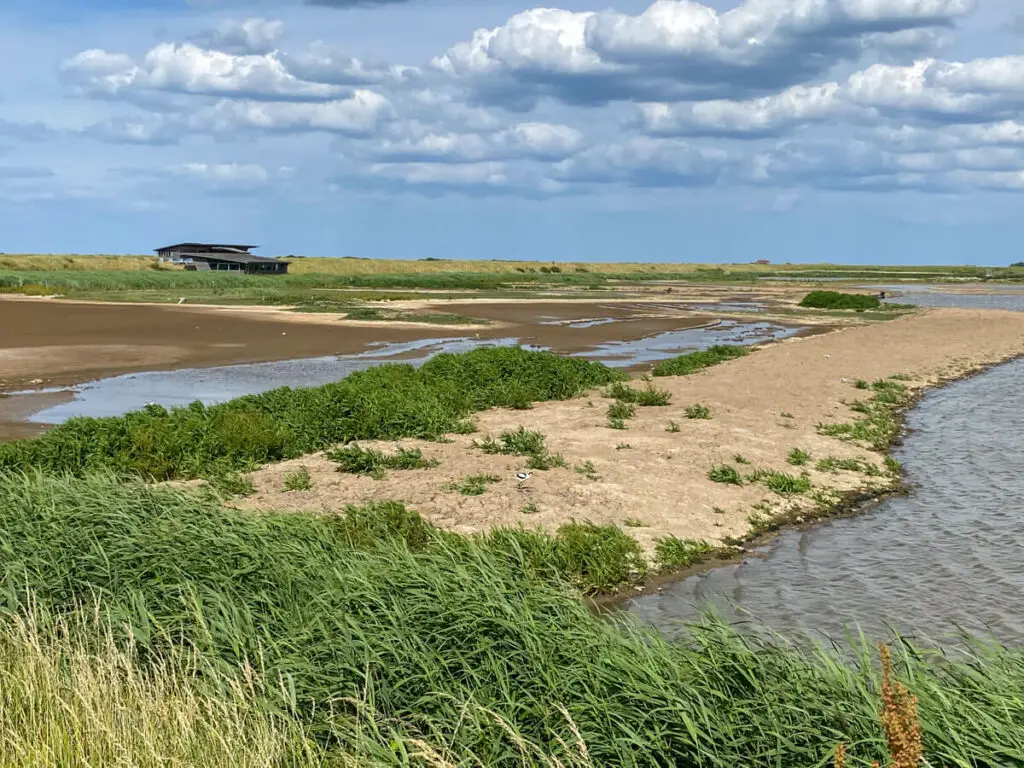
(755,118)
(188,69)
(524,141)
(323,64)
(249,36)
(682,49)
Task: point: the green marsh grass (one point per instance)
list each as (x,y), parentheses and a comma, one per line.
(725,474)
(298,480)
(377,636)
(388,402)
(698,411)
(354,460)
(672,552)
(781,483)
(880,425)
(474,485)
(832,464)
(648,396)
(524,442)
(692,362)
(798,457)
(621,411)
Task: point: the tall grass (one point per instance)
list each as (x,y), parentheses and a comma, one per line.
(388,402)
(692,362)
(373,630)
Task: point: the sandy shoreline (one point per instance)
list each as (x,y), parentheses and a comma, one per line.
(762,407)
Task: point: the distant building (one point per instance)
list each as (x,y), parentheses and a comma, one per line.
(762,261)
(218,257)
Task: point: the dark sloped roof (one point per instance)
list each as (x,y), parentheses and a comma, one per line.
(198,246)
(235,258)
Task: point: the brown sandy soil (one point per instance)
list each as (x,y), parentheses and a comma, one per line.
(763,406)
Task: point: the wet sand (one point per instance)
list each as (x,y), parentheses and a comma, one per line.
(762,407)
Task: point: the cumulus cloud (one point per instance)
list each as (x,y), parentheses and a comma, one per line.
(323,64)
(360,115)
(189,69)
(249,36)
(682,49)
(756,118)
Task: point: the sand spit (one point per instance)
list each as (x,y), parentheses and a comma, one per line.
(654,480)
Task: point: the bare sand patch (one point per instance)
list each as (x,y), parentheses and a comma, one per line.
(762,407)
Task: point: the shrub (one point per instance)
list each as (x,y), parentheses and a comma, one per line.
(696,361)
(620,410)
(837,300)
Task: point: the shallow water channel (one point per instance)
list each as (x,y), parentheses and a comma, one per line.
(119,394)
(948,556)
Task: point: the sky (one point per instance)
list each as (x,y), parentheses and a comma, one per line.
(851,131)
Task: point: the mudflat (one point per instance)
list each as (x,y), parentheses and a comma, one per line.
(51,342)
(656,481)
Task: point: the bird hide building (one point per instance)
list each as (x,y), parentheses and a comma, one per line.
(218,257)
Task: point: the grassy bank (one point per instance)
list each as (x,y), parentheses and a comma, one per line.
(373,631)
(387,403)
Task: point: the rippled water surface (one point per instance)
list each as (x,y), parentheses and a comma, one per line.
(950,554)
(1004,296)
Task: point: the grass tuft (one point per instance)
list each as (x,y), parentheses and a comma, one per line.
(798,457)
(698,411)
(725,474)
(675,553)
(298,480)
(649,396)
(358,461)
(523,442)
(672,427)
(474,485)
(780,482)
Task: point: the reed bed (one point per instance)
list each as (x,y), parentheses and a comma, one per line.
(376,634)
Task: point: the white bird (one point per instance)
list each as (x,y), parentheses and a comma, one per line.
(522,477)
(181,300)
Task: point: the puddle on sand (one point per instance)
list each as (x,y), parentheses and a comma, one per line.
(623,354)
(120,394)
(1009,296)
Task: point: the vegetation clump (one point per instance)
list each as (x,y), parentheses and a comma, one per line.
(725,474)
(389,402)
(798,457)
(649,396)
(474,485)
(698,411)
(832,464)
(298,480)
(692,362)
(780,482)
(377,637)
(358,461)
(880,425)
(675,553)
(838,300)
(523,442)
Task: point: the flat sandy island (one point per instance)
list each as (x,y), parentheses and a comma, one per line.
(656,481)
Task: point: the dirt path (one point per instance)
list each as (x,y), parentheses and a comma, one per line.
(656,481)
